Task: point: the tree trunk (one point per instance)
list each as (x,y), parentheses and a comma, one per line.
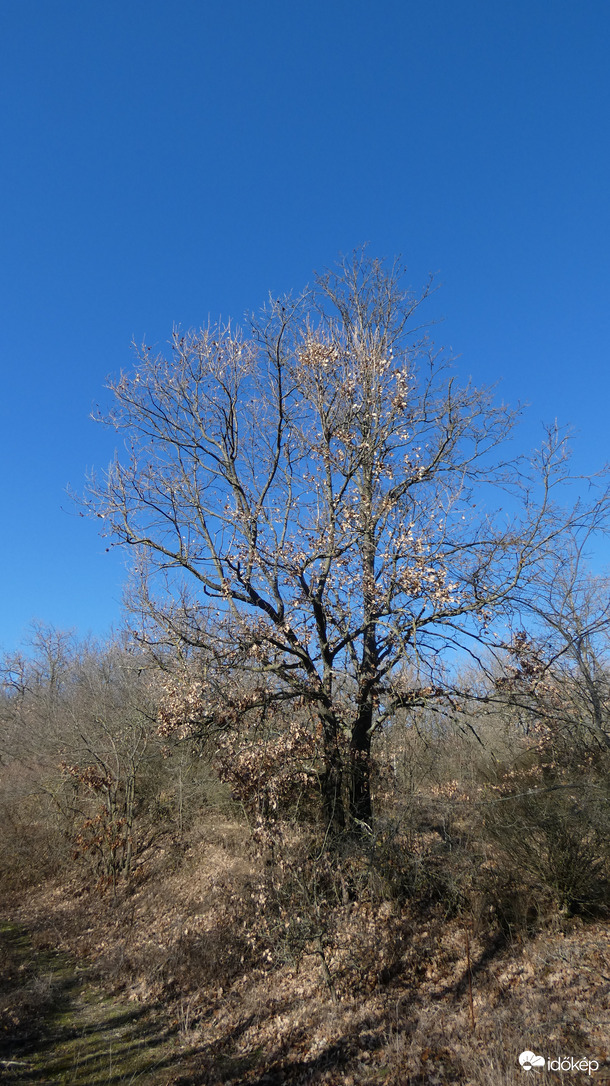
(332,779)
(361,810)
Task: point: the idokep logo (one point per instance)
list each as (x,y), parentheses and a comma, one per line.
(530,1062)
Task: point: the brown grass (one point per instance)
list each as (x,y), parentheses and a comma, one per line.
(295,970)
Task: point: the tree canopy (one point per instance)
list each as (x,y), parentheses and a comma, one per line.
(323,504)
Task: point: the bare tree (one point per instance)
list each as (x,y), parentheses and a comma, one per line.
(325,504)
(558,670)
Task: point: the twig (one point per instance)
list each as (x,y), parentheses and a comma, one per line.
(319,950)
(471,1004)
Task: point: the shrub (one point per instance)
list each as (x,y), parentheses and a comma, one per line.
(551,827)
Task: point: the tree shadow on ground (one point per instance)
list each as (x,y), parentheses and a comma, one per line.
(59,1026)
(496,945)
(213,1066)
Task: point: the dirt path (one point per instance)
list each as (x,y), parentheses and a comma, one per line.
(57,1025)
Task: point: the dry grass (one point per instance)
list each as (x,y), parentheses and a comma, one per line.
(375,988)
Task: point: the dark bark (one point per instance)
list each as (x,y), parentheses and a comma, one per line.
(361,808)
(332,778)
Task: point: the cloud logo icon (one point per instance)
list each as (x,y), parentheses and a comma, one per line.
(529,1061)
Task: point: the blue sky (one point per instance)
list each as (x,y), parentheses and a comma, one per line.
(162,162)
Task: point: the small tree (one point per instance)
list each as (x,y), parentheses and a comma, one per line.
(345,513)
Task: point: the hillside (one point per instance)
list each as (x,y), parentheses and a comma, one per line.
(239,983)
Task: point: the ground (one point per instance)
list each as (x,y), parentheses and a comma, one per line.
(170,983)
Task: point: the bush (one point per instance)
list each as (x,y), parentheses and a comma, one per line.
(551,825)
(33,843)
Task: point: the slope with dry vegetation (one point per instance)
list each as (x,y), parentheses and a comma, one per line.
(468,925)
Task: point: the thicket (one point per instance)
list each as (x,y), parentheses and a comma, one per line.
(496,807)
(87,783)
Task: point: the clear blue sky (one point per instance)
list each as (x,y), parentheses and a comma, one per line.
(165,161)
